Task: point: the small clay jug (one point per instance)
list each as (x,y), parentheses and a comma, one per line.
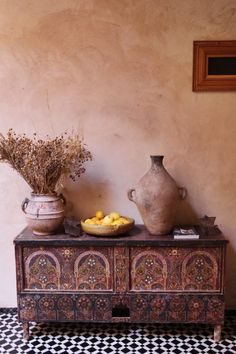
(157,196)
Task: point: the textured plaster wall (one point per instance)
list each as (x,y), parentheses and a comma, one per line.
(119,72)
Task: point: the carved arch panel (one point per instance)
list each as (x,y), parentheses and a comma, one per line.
(148,271)
(93,272)
(42,271)
(200,271)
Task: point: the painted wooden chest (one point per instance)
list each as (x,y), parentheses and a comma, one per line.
(133,278)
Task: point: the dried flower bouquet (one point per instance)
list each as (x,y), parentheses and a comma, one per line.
(42,163)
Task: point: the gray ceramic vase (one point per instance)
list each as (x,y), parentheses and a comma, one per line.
(157,197)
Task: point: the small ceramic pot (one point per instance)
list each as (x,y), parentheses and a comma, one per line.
(44,212)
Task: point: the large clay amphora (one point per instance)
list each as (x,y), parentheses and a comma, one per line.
(157,196)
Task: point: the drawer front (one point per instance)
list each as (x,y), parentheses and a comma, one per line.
(176,269)
(67,307)
(68,268)
(177,308)
(141,308)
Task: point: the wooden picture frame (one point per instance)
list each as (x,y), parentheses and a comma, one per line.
(214,65)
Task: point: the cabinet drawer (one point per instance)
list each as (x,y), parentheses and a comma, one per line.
(68,268)
(177,308)
(141,308)
(64,307)
(176,269)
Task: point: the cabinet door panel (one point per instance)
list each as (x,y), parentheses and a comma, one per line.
(68,268)
(42,270)
(176,269)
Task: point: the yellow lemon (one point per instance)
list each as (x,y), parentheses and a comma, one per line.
(115,215)
(88,221)
(99,214)
(107,220)
(124,220)
(117,222)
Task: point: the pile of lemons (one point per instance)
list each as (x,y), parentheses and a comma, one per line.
(113,218)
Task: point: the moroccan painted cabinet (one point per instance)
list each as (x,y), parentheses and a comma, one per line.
(134,278)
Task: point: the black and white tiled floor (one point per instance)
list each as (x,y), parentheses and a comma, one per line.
(114,338)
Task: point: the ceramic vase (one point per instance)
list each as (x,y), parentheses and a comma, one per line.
(157,197)
(44,212)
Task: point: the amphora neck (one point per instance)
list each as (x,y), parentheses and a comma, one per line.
(157,160)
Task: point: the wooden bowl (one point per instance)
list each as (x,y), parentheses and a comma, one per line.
(107,230)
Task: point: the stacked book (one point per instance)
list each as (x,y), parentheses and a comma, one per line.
(185,233)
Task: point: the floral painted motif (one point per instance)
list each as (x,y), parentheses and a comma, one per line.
(215,309)
(47,308)
(158,308)
(140,308)
(67,253)
(42,271)
(27,308)
(65,308)
(121,261)
(46,303)
(84,308)
(176,310)
(196,310)
(92,271)
(102,308)
(65,303)
(199,271)
(149,270)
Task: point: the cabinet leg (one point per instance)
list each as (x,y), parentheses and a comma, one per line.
(217,333)
(25,327)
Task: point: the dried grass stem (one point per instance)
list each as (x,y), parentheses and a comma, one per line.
(42,163)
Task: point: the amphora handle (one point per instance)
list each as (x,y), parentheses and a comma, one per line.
(131,195)
(182,192)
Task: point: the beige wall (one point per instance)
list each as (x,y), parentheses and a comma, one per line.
(120,72)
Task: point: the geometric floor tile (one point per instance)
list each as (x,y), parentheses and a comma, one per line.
(74,338)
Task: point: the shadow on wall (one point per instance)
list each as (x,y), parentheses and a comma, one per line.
(96,193)
(87,196)
(186,214)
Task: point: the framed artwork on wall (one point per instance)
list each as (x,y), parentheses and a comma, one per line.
(214,65)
